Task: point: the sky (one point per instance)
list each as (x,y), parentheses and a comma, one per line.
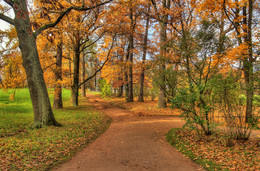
(4,25)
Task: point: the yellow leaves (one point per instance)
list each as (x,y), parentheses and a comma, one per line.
(110,73)
(231,57)
(12,96)
(13,72)
(237,53)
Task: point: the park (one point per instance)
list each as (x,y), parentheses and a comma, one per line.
(129,85)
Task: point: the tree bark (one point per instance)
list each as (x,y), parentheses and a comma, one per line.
(75,87)
(43,114)
(76,61)
(131,57)
(120,90)
(83,87)
(126,74)
(141,95)
(248,66)
(57,103)
(162,67)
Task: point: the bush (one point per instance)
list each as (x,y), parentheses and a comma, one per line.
(106,91)
(104,88)
(101,84)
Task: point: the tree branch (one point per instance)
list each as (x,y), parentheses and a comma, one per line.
(90,52)
(155,8)
(65,12)
(93,75)
(92,43)
(44,69)
(9,2)
(62,14)
(226,13)
(6,19)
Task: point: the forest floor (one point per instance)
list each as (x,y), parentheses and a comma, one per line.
(134,141)
(149,109)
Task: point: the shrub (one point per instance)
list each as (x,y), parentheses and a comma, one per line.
(106,91)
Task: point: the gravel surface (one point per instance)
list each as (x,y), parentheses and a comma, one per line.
(131,143)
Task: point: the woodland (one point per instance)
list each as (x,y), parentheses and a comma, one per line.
(197,59)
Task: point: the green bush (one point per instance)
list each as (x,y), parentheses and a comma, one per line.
(256,99)
(106,91)
(101,84)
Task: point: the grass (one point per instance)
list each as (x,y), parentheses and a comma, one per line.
(212,152)
(174,140)
(22,148)
(94,92)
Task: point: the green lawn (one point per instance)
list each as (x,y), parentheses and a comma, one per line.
(94,92)
(22,148)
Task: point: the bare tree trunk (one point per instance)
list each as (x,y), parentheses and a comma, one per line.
(83,87)
(141,95)
(120,91)
(70,73)
(95,83)
(248,66)
(126,74)
(131,57)
(57,103)
(162,67)
(120,79)
(76,61)
(75,87)
(43,114)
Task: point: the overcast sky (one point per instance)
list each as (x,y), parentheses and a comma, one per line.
(4,25)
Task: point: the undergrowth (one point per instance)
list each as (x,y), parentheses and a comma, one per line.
(215,152)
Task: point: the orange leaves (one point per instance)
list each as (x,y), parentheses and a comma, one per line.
(210,6)
(232,55)
(242,156)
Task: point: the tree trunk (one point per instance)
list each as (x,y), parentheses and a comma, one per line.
(75,87)
(96,85)
(248,73)
(131,57)
(70,73)
(126,74)
(141,95)
(83,87)
(162,67)
(57,103)
(43,114)
(120,91)
(248,67)
(131,90)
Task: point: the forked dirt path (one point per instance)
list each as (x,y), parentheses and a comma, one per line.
(131,143)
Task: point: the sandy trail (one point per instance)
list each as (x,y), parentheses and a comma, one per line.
(131,143)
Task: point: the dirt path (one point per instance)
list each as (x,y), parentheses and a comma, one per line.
(131,143)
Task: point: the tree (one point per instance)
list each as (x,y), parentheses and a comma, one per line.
(141,95)
(42,14)
(163,20)
(12,72)
(43,114)
(242,22)
(57,103)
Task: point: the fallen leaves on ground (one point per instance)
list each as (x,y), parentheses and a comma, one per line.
(147,108)
(40,149)
(243,155)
